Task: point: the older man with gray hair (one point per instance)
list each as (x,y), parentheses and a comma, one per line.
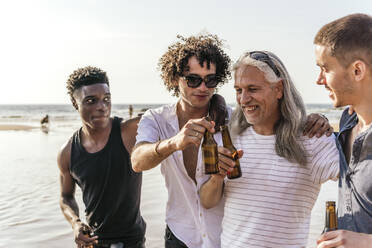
(270,205)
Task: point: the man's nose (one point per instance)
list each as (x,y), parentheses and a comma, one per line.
(203,86)
(320,80)
(102,105)
(245,97)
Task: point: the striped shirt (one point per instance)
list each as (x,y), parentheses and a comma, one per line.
(270,205)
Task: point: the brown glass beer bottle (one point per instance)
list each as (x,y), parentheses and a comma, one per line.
(330,217)
(227,143)
(210,154)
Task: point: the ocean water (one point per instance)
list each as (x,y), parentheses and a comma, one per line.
(65,114)
(29,185)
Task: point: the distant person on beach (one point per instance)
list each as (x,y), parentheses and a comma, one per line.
(44,121)
(343,51)
(130,111)
(282,170)
(191,69)
(97,158)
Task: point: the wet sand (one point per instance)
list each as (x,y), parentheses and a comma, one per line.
(15,127)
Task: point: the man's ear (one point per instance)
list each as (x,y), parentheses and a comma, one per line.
(279,89)
(73,98)
(359,70)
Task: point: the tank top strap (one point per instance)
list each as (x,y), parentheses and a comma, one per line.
(116,130)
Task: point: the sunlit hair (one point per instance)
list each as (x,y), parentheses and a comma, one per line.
(85,76)
(205,47)
(349,39)
(289,127)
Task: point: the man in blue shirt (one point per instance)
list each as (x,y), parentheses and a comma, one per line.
(343,50)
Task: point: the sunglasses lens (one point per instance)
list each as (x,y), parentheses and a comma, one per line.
(193,81)
(211,81)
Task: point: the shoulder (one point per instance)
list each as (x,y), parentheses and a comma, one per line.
(158,116)
(128,126)
(128,129)
(318,144)
(64,156)
(162,111)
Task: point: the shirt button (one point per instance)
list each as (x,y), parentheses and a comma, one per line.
(200,214)
(203,235)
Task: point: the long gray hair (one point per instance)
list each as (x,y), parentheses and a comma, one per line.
(289,127)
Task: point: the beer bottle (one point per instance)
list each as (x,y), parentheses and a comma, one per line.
(330,217)
(227,143)
(210,154)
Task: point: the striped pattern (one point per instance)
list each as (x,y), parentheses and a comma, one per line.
(270,205)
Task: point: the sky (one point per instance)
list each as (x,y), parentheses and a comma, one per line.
(43,42)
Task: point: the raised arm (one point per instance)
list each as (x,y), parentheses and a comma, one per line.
(147,155)
(67,201)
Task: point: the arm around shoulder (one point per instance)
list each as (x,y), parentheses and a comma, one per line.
(129,132)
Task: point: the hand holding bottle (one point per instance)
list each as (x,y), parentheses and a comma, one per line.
(83,237)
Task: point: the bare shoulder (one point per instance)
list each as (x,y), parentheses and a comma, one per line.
(64,156)
(129,132)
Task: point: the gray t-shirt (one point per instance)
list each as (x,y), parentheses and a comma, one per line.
(355,183)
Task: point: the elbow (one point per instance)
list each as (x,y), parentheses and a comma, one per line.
(136,165)
(206,205)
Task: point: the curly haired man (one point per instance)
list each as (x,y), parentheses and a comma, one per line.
(191,69)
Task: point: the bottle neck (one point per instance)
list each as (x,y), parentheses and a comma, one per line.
(226,138)
(331,219)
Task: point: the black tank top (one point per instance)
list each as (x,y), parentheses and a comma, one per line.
(111,189)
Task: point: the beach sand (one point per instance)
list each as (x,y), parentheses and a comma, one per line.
(29,211)
(15,127)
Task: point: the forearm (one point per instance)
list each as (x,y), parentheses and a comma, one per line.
(149,155)
(366,240)
(70,210)
(211,192)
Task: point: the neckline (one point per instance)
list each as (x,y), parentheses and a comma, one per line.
(81,147)
(261,135)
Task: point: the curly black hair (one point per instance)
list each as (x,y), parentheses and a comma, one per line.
(85,76)
(206,48)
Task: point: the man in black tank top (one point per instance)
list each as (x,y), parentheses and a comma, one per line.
(97,158)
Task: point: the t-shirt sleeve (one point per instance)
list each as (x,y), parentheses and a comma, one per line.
(324,159)
(148,128)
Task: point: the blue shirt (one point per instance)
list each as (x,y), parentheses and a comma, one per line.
(355,182)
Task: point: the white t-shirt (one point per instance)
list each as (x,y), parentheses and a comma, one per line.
(270,205)
(185,216)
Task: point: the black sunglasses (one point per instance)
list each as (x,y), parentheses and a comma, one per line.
(194,81)
(263,57)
